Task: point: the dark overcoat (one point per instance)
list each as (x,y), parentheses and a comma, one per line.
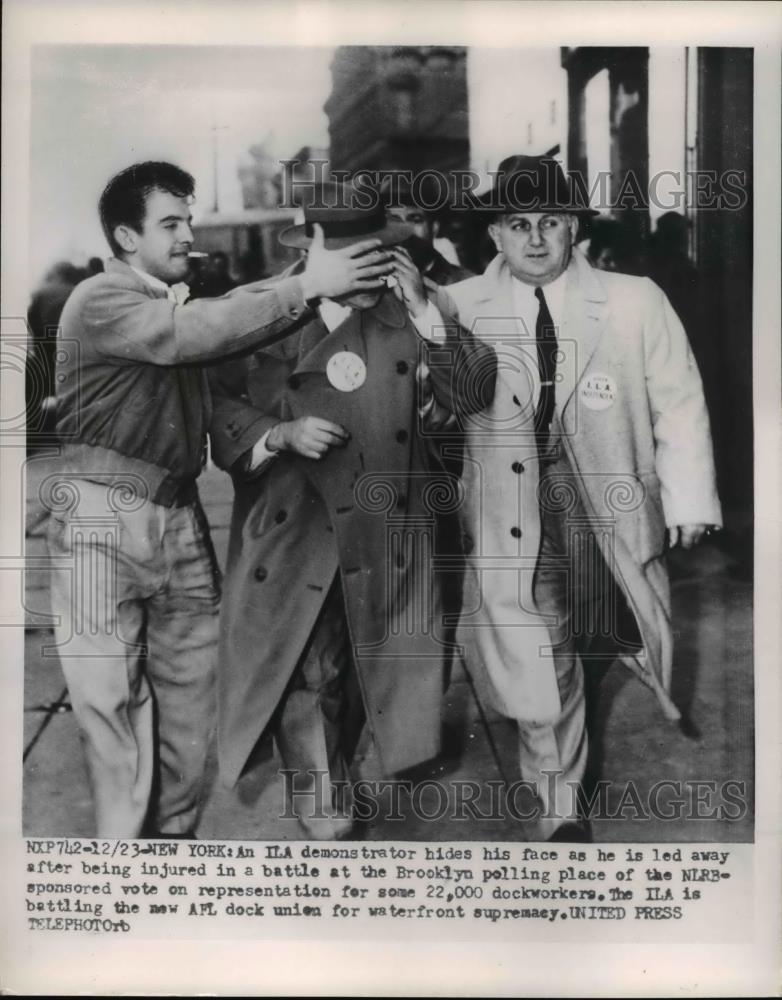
(366,511)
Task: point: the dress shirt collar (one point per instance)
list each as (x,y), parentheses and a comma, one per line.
(554,293)
(333,313)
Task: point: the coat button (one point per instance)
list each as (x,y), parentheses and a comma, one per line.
(401,436)
(402,367)
(293,382)
(261,573)
(518,468)
(516,532)
(281,516)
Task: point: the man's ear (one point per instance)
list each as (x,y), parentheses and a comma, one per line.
(127,238)
(494,232)
(574,224)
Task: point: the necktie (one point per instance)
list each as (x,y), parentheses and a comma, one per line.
(546,344)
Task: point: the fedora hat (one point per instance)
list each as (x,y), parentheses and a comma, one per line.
(348,214)
(533,184)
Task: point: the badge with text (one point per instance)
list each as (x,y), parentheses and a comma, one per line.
(598,391)
(346,371)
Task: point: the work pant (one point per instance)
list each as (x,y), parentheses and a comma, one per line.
(135,589)
(311,725)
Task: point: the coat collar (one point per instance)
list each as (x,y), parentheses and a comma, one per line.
(496,284)
(348,336)
(583,321)
(131,277)
(581,277)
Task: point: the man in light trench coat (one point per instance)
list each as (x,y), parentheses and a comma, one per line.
(596,442)
(329,578)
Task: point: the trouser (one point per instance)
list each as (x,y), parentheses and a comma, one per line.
(571,585)
(311,725)
(135,588)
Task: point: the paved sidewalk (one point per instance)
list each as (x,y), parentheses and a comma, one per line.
(712,678)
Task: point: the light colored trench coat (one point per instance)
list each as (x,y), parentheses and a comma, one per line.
(636,431)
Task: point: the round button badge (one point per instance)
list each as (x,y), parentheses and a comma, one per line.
(346,371)
(598,391)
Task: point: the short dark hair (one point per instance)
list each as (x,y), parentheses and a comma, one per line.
(123,202)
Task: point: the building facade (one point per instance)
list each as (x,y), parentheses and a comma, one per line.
(398,108)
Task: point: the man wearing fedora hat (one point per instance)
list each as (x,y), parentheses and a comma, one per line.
(596,441)
(331,618)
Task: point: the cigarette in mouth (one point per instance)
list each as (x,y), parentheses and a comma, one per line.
(197,253)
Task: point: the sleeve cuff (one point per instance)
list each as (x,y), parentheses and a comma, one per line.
(291,296)
(430,324)
(699,510)
(260,456)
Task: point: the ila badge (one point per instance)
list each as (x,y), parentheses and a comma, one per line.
(598,391)
(346,371)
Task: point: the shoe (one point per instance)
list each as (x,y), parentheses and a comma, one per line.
(327,827)
(336,821)
(572,832)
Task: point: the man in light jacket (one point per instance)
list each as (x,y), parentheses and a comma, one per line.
(134,582)
(595,451)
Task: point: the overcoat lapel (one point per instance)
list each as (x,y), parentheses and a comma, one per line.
(349,335)
(492,317)
(586,313)
(379,338)
(373,491)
